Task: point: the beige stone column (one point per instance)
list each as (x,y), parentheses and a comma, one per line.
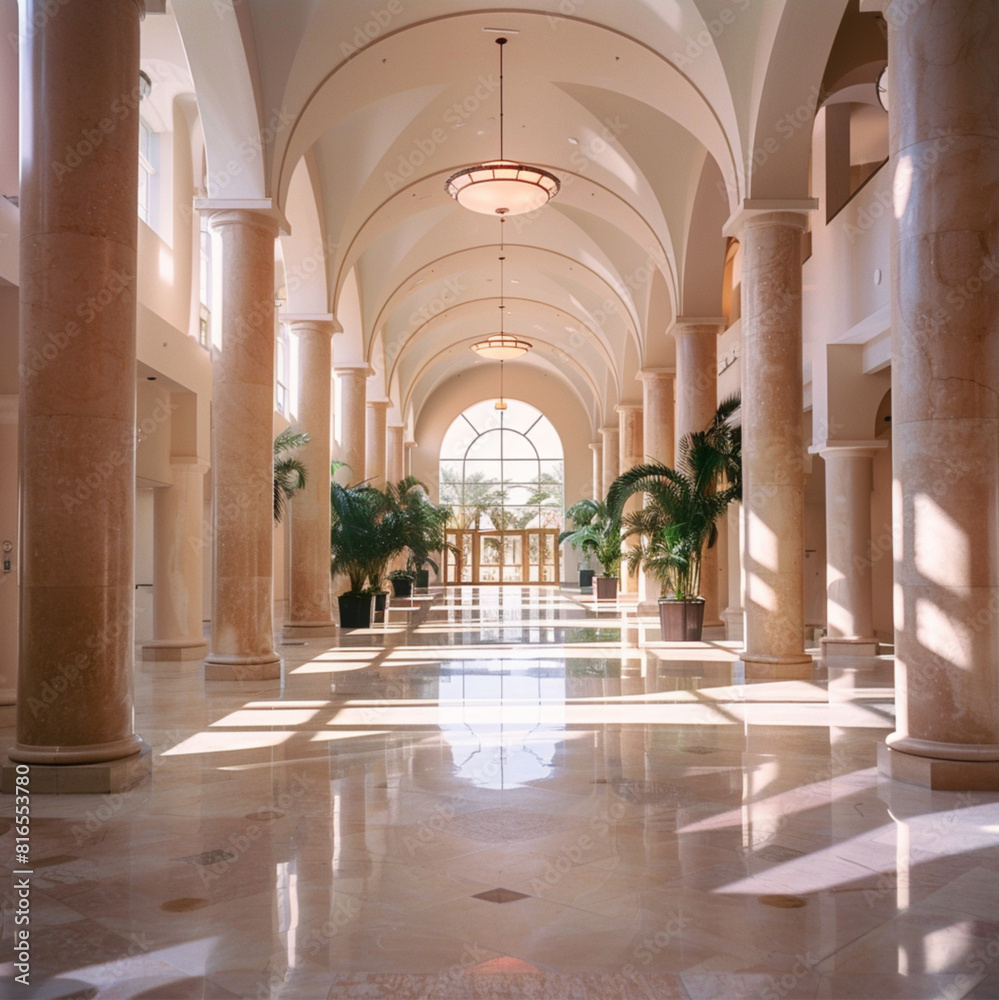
(696,372)
(9,560)
(242,635)
(177,565)
(394,452)
(609,459)
(696,402)
(850,598)
(309,610)
(658,419)
(772,437)
(375,458)
(658,407)
(944,160)
(77,399)
(353,379)
(631,449)
(597,447)
(407,459)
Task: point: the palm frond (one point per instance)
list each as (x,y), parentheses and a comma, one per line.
(290,474)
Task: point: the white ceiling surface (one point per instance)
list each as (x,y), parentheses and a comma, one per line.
(664,99)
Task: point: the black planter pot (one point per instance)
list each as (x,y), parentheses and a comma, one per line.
(401,587)
(355,610)
(681,621)
(586,579)
(422,579)
(606,588)
(381,603)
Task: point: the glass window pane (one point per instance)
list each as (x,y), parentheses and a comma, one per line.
(520,471)
(517,446)
(485,446)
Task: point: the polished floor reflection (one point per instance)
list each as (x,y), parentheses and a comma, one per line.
(512,793)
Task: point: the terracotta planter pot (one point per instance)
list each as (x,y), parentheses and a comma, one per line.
(681,621)
(606,588)
(355,611)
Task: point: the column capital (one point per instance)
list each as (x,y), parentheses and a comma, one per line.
(244,211)
(361,368)
(628,408)
(317,320)
(375,403)
(655,374)
(609,430)
(596,446)
(698,324)
(858,449)
(767,211)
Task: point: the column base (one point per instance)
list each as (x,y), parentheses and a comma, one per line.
(101,778)
(853,646)
(159,650)
(777,666)
(937,773)
(305,630)
(224,667)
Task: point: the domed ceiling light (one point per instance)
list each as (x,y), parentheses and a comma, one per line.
(502,187)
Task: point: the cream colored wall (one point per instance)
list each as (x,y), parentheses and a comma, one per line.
(9,354)
(143,561)
(815,542)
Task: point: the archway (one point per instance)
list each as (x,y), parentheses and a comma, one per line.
(502,474)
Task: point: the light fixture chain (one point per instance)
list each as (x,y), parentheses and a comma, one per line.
(501,42)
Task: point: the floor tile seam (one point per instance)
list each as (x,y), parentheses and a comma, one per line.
(854,940)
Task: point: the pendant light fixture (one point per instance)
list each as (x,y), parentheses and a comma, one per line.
(502,346)
(502,187)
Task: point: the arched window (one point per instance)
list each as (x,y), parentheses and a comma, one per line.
(502,473)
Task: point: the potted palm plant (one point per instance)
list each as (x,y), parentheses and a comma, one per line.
(597,533)
(402,582)
(679,519)
(362,541)
(581,514)
(422,527)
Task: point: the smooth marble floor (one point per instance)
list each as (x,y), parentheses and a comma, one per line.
(512,793)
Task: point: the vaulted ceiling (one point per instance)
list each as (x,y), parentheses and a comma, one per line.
(660,117)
